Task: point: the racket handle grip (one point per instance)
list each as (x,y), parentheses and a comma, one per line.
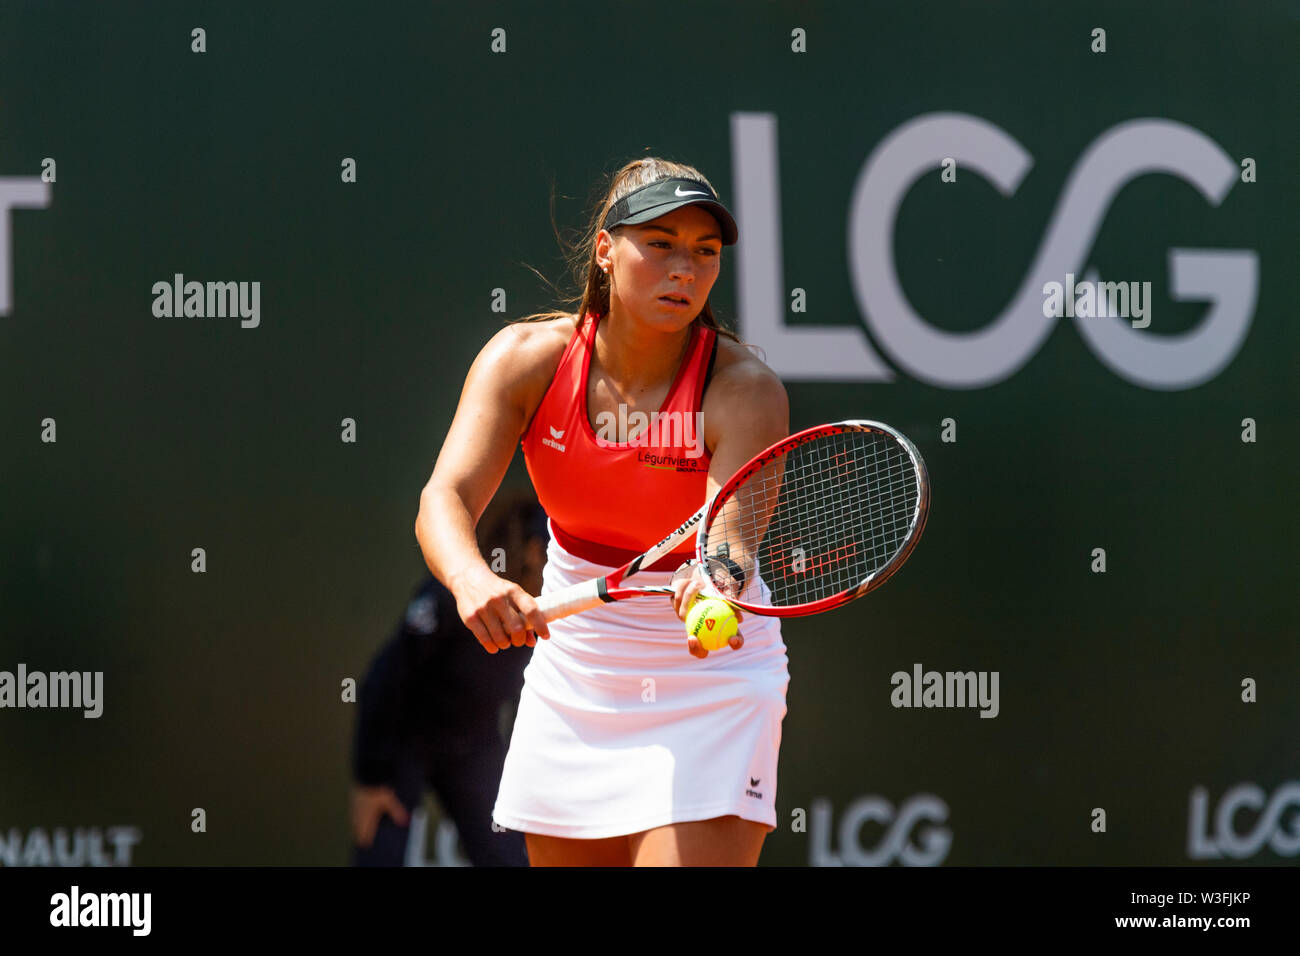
(571,600)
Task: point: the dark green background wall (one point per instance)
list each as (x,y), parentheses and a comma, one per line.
(1118,690)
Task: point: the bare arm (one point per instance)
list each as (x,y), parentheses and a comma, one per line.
(746,410)
(500,390)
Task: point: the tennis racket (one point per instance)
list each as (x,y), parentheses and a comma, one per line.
(809,524)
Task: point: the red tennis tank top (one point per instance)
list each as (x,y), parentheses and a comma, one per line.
(610,501)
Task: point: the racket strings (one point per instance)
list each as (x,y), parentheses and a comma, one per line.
(823,518)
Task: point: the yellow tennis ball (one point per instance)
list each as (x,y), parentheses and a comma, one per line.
(712,622)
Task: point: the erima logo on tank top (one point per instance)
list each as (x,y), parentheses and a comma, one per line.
(555,433)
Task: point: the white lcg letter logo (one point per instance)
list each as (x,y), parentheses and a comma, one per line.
(26,192)
(1228,839)
(920,813)
(1227,278)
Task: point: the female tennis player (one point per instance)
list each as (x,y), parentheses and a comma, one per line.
(632,744)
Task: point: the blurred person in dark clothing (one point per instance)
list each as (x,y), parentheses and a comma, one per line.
(432,707)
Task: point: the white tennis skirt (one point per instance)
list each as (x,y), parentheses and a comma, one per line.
(620,729)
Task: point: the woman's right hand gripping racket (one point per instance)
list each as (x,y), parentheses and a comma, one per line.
(818,519)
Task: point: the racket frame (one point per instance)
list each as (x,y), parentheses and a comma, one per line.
(604,590)
(916,524)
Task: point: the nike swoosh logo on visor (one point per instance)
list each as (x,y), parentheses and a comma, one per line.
(678,192)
